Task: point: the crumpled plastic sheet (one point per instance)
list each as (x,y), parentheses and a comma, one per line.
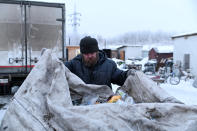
(43,103)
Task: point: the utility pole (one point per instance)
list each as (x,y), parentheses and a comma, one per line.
(105,44)
(74,19)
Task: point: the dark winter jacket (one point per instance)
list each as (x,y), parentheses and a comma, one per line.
(104,72)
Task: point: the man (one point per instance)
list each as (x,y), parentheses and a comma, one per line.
(93,66)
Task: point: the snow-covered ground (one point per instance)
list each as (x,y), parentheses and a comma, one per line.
(4,100)
(184,91)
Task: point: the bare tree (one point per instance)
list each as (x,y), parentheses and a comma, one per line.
(142,37)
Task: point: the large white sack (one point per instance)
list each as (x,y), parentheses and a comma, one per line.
(145,90)
(46,90)
(44,86)
(43,102)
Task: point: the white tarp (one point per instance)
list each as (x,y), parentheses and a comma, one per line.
(43,102)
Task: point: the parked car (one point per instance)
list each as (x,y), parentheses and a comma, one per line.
(120,64)
(150,67)
(135,66)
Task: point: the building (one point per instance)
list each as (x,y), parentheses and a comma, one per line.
(162,46)
(129,52)
(161,54)
(185,50)
(72,51)
(112,48)
(145,51)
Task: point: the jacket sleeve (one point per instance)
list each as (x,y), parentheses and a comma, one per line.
(118,76)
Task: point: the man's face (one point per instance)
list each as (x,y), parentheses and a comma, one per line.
(90,59)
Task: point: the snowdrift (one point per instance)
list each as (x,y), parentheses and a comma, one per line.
(43,103)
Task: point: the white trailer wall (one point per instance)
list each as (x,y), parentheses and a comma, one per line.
(132,52)
(186,45)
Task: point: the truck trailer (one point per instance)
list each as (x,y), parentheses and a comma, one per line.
(26,28)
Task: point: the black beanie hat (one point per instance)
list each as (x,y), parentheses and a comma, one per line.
(88,45)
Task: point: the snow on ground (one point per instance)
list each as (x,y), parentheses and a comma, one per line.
(184,91)
(2,112)
(4,100)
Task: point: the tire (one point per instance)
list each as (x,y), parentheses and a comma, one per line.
(174,80)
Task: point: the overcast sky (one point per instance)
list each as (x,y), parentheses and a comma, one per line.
(110,18)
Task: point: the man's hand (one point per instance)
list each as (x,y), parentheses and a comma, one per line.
(131,72)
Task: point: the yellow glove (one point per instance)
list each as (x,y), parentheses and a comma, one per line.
(114,99)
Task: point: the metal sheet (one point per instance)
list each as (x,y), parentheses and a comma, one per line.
(24,24)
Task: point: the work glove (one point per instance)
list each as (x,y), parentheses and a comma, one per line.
(131,72)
